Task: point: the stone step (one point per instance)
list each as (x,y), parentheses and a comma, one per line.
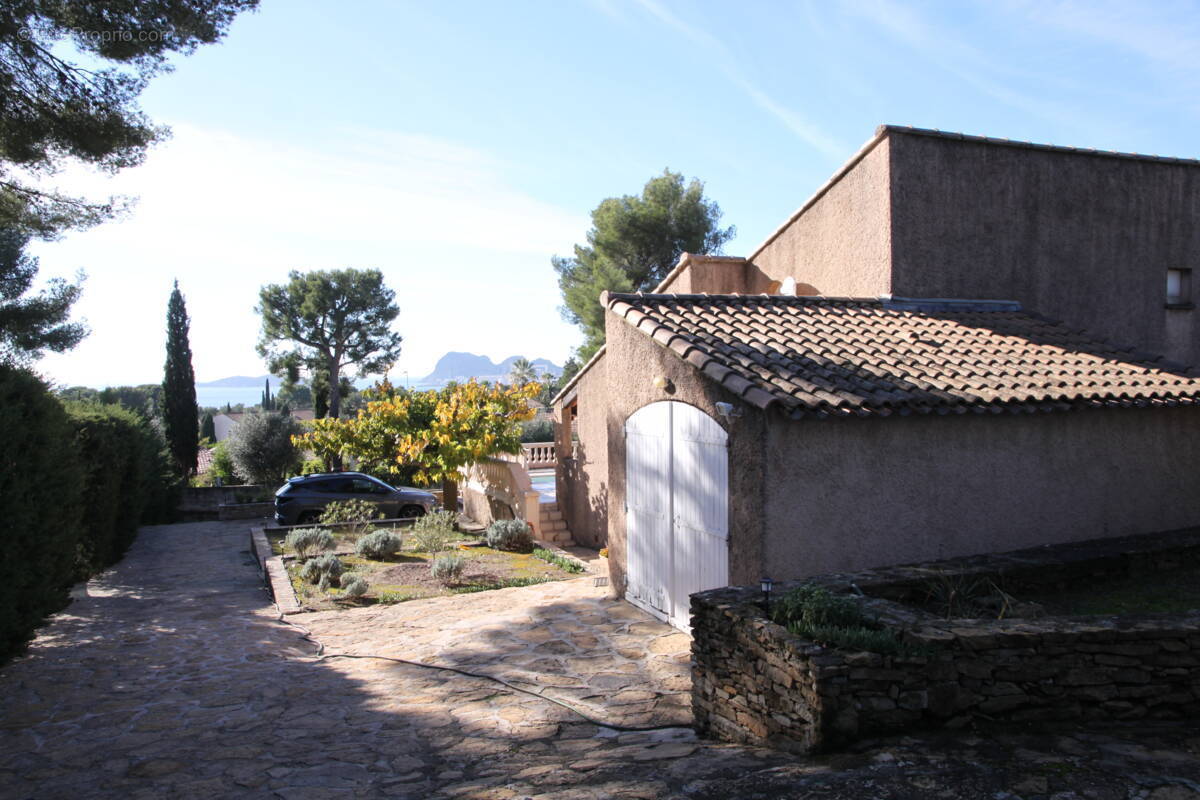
(549,506)
(552,515)
(554,526)
(560,538)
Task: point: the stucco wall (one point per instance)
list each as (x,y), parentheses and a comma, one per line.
(841,244)
(1081,238)
(634,361)
(582,475)
(853,494)
(711,274)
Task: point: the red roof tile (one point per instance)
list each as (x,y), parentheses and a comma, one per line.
(823,356)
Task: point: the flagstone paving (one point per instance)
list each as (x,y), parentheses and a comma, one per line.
(172,676)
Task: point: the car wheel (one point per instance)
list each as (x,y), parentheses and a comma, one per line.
(412,511)
(306,518)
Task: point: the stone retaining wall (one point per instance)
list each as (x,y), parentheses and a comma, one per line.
(755,682)
(245,511)
(198,498)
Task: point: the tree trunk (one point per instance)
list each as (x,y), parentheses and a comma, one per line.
(335,388)
(450,495)
(335,402)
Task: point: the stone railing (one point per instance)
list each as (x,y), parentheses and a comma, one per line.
(754,681)
(499,488)
(538,455)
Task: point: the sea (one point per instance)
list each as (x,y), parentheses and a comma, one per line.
(218,396)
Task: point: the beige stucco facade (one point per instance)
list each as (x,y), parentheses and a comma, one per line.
(850,494)
(581,442)
(1082,238)
(1086,239)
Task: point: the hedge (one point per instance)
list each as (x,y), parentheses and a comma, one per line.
(76,480)
(125,482)
(41,486)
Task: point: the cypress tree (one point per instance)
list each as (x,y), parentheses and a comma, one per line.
(180,417)
(208,428)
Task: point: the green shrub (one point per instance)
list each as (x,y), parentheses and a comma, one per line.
(41,483)
(379,545)
(262,449)
(128,479)
(836,620)
(432,540)
(446,520)
(324,569)
(222,465)
(808,605)
(856,638)
(503,583)
(355,510)
(510,534)
(306,542)
(447,568)
(568,564)
(312,466)
(355,514)
(354,585)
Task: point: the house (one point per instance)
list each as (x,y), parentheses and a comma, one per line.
(225,422)
(958,345)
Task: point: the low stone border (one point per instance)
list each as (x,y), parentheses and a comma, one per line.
(395,522)
(753,681)
(273,570)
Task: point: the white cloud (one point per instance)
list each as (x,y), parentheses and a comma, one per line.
(990,74)
(1165,35)
(466,251)
(716,51)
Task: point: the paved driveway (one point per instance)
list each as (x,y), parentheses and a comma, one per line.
(172,677)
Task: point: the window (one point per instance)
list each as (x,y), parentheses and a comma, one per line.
(366,486)
(1179,289)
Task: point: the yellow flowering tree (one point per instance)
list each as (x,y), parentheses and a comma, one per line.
(430,434)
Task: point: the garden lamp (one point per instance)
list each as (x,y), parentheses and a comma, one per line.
(766,584)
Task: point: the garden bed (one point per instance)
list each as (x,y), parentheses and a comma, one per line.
(407,575)
(970,640)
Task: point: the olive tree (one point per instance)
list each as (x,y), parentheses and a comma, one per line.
(261,447)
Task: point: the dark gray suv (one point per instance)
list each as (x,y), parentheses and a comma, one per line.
(302,499)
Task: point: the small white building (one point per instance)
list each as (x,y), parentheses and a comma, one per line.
(224,423)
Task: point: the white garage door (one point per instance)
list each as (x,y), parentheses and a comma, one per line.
(677,508)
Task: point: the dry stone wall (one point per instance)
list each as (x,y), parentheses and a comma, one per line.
(753,681)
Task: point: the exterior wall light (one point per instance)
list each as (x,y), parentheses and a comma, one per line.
(664,384)
(727,411)
(766,584)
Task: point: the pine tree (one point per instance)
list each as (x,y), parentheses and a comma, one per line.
(180,416)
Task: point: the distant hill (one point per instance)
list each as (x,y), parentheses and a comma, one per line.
(242,382)
(462,366)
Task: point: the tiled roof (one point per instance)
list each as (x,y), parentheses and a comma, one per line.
(826,357)
(204,460)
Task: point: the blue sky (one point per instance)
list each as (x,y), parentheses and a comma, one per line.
(457,146)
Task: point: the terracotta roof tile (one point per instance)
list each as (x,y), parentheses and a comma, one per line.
(836,357)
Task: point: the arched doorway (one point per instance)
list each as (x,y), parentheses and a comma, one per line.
(676,508)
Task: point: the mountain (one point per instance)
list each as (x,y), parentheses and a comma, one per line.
(461,366)
(243,382)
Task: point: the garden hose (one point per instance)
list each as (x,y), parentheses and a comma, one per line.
(323,656)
